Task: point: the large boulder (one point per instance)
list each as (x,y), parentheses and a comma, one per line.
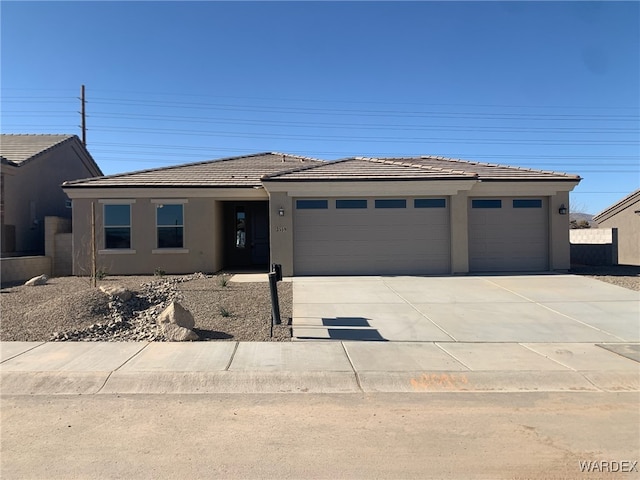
(178,315)
(117,291)
(176,333)
(176,323)
(35,281)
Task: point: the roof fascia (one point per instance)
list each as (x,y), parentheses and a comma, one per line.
(356,188)
(230,193)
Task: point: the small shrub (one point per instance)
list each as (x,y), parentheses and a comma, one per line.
(158,272)
(224,312)
(101,273)
(223,281)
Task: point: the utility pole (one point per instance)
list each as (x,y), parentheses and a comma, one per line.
(84,119)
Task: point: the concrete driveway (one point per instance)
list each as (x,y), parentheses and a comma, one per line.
(509,308)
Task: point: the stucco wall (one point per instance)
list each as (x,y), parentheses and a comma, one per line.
(20,269)
(202,239)
(628,224)
(33,191)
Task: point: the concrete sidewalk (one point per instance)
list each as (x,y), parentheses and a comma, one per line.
(33,368)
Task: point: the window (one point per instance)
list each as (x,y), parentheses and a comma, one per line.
(486,203)
(429,203)
(533,203)
(170,225)
(241,228)
(312,204)
(394,203)
(351,204)
(117,226)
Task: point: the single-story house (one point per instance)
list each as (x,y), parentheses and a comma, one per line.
(422,215)
(32,167)
(625,216)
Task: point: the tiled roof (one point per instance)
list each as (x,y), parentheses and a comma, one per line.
(19,149)
(367,169)
(252,170)
(417,168)
(491,171)
(244,171)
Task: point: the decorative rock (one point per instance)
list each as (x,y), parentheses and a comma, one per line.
(178,315)
(176,333)
(117,291)
(39,280)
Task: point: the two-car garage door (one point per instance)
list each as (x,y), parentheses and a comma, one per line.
(361,236)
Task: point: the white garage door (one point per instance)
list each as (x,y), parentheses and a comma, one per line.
(370,236)
(508,234)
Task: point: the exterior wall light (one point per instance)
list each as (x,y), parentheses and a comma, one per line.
(281,212)
(562,210)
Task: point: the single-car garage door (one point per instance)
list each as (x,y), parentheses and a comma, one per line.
(370,236)
(508,234)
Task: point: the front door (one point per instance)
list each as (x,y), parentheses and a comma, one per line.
(246,234)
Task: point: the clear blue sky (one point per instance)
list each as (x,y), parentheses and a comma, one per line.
(549,85)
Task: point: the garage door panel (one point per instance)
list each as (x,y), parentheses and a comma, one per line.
(372,240)
(508,238)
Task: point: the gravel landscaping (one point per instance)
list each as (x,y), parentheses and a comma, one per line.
(627,276)
(68,308)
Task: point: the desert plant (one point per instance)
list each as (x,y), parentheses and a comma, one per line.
(223,281)
(224,312)
(158,272)
(101,273)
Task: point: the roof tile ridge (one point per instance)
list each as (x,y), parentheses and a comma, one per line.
(301,157)
(304,168)
(487,164)
(391,161)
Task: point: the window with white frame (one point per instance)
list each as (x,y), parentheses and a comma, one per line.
(170,225)
(117,226)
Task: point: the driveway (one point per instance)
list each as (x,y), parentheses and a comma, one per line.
(493,308)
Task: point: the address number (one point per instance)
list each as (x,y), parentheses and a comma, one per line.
(281,229)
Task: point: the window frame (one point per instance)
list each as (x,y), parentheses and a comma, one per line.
(429,203)
(486,203)
(170,201)
(105,203)
(352,204)
(312,204)
(526,203)
(392,203)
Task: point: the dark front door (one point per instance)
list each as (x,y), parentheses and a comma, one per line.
(246,234)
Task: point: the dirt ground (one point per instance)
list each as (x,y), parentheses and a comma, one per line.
(223,310)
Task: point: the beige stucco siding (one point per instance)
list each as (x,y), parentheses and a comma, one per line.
(628,224)
(553,247)
(202,238)
(33,191)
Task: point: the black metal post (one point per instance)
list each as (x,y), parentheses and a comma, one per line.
(275,303)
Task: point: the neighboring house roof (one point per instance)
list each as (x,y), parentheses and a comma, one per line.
(243,171)
(19,149)
(252,170)
(415,168)
(618,207)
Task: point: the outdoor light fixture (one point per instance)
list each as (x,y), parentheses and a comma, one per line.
(562,210)
(281,212)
